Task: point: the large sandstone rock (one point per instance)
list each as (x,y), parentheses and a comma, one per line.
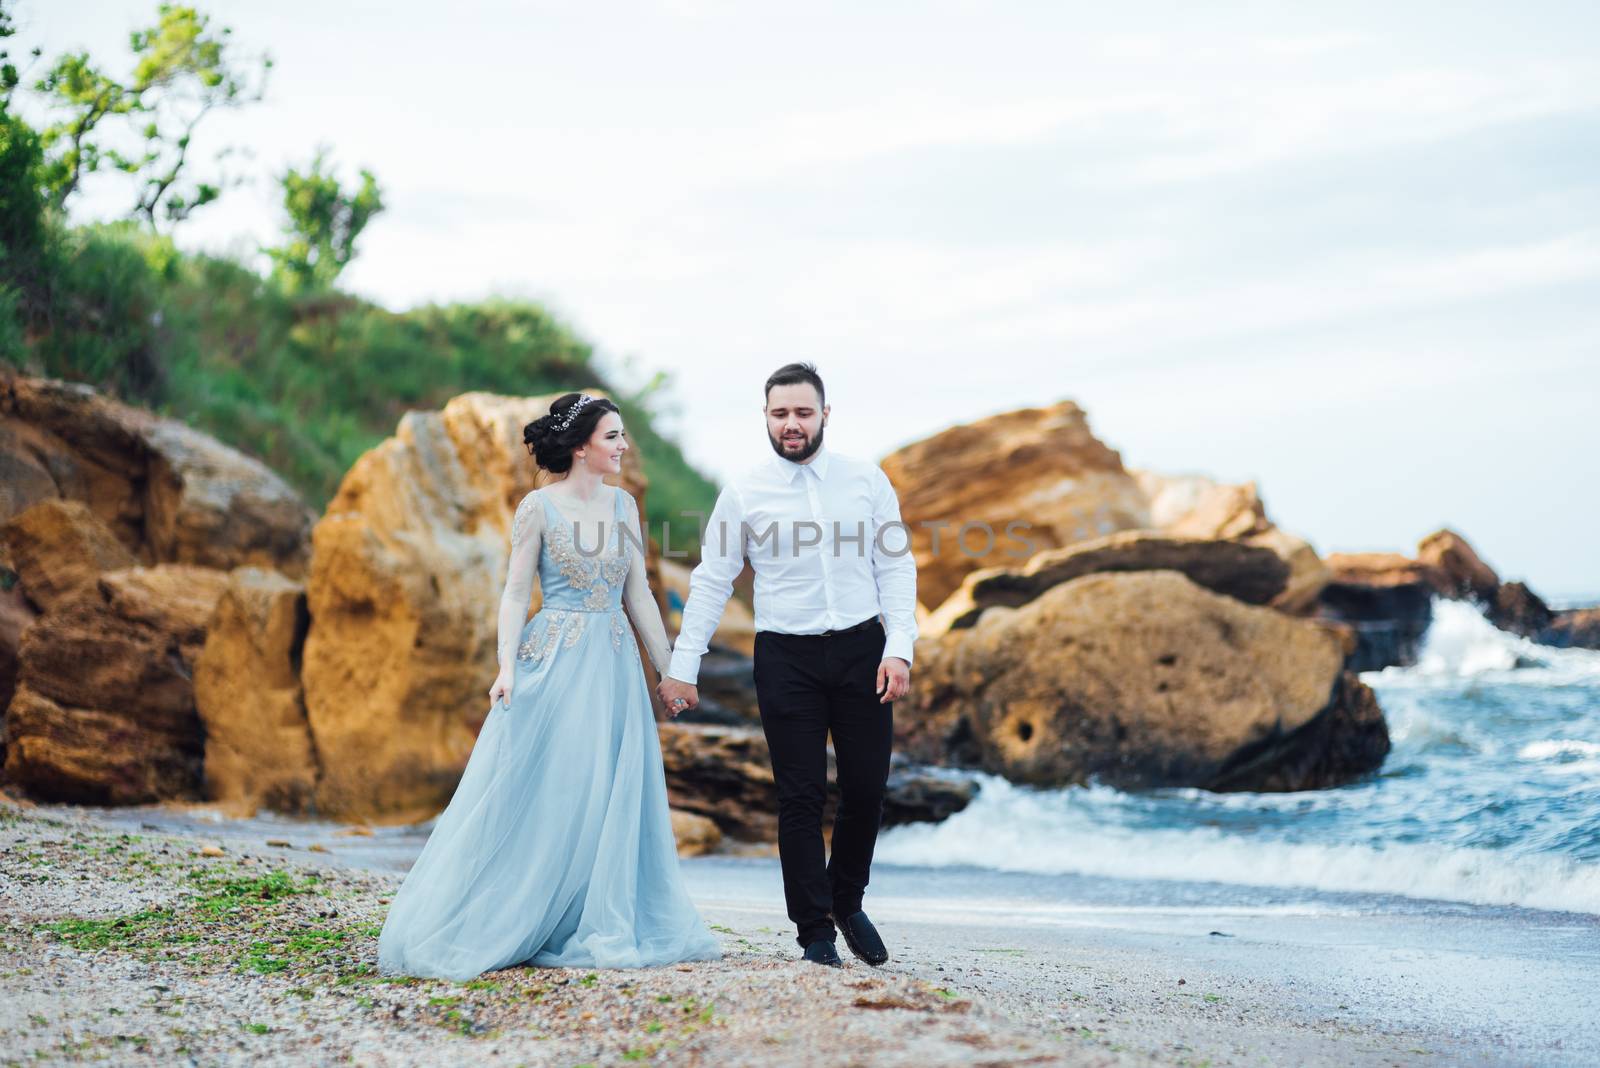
(408,564)
(167,492)
(1194,506)
(1144,679)
(725,775)
(1244,572)
(104,710)
(1039,466)
(258,747)
(695,835)
(16,616)
(57,546)
(48,550)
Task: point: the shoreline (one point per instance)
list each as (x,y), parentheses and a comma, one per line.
(1011,980)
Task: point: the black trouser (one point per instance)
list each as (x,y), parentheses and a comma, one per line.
(807,686)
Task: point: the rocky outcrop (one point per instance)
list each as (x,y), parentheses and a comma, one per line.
(1194,506)
(167,492)
(104,710)
(57,546)
(695,835)
(1386,599)
(1519,610)
(1063,490)
(1143,679)
(49,549)
(725,775)
(1576,628)
(1051,475)
(16,616)
(1246,573)
(258,749)
(408,563)
(1454,568)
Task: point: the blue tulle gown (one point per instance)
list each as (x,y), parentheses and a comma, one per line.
(557,847)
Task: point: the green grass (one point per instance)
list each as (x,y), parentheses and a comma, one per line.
(121,932)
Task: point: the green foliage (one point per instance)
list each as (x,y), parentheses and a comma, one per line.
(323,223)
(87,97)
(21,207)
(97,311)
(10,77)
(182,71)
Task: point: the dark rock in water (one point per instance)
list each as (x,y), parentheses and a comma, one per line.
(1140,680)
(1386,599)
(917,795)
(1573,628)
(1519,610)
(1455,569)
(725,774)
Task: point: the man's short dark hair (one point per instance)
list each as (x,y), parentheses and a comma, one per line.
(792,374)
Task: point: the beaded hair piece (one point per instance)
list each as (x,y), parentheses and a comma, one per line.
(572,412)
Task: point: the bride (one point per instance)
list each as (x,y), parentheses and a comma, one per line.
(557,847)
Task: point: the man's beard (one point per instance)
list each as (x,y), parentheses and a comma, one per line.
(804,454)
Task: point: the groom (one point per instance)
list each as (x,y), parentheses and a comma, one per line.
(831,556)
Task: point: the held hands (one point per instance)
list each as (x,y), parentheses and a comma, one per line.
(677,696)
(894,679)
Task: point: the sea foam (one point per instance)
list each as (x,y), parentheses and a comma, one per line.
(1077,830)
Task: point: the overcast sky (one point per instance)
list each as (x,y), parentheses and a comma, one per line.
(1352,253)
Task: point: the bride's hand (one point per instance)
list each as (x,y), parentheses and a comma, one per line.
(501,690)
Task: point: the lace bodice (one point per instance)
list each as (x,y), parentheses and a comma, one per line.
(576,580)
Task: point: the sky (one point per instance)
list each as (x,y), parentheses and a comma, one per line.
(1349,251)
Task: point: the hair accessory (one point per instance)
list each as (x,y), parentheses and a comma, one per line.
(572,412)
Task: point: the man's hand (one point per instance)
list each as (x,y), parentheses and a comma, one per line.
(677,696)
(894,679)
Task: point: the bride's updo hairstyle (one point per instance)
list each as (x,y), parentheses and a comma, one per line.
(551,445)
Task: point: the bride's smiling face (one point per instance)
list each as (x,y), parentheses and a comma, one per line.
(602,453)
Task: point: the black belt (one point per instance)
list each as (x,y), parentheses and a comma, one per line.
(870,621)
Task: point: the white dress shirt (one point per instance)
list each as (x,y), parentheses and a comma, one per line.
(828,548)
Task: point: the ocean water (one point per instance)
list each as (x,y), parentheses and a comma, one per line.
(1490,796)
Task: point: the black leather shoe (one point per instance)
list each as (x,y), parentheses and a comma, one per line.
(862,938)
(822,952)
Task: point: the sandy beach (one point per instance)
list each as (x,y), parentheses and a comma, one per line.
(139,937)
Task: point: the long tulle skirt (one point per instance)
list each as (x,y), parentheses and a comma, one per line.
(557,847)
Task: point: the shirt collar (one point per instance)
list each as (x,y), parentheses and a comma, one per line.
(791,470)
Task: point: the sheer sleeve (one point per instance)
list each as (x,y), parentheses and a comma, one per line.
(527,528)
(636,596)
